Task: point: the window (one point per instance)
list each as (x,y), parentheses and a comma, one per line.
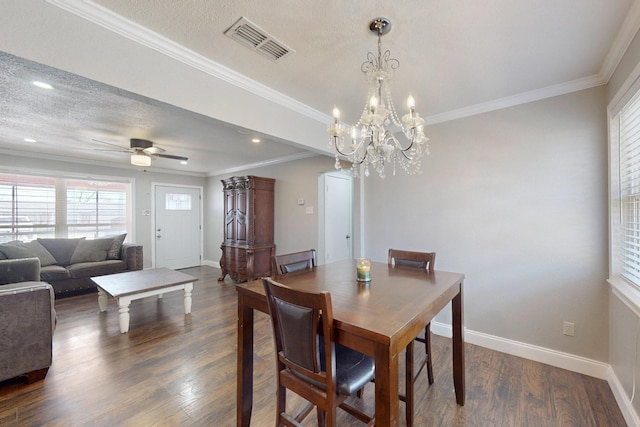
(40,206)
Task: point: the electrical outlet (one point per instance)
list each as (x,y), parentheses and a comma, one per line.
(568,328)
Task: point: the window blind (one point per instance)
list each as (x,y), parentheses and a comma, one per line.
(47,207)
(629,185)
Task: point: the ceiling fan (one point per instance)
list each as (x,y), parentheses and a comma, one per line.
(142,151)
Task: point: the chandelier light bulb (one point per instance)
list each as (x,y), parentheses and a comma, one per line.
(336,114)
(373,104)
(411,103)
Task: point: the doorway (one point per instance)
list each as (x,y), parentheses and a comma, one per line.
(177,229)
(335,196)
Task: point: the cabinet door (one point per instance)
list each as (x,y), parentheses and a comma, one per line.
(242,215)
(229,216)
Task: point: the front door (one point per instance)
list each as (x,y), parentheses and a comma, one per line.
(177,231)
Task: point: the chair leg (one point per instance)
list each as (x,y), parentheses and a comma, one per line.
(322,417)
(409,380)
(427,347)
(281,399)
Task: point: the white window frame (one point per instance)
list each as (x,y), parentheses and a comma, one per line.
(623,288)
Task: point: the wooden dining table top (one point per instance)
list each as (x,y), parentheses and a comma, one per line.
(396,298)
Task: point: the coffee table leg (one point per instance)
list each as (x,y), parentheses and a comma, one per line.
(102,299)
(124,314)
(188,287)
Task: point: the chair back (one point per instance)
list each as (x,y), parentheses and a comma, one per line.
(300,321)
(297,261)
(422,260)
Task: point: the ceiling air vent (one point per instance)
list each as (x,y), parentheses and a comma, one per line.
(254,37)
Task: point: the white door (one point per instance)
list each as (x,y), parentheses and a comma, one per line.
(178,231)
(338,190)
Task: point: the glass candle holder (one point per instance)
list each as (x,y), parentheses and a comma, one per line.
(363,269)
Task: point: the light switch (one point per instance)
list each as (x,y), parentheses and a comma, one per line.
(301,201)
(309,210)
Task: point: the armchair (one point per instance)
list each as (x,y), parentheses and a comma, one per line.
(27,320)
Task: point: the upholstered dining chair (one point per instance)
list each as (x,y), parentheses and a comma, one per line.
(309,362)
(297,261)
(425,261)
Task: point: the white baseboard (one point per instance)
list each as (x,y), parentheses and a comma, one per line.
(547,356)
(210,263)
(550,357)
(624,403)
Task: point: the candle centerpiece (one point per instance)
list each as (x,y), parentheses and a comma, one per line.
(363,269)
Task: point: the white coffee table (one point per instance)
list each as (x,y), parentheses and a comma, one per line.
(133,285)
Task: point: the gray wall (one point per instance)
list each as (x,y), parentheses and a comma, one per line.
(517,200)
(141,190)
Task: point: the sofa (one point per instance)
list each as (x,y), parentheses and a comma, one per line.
(69,264)
(27,320)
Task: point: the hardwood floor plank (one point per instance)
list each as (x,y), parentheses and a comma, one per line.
(173,369)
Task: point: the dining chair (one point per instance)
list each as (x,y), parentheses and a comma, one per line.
(309,362)
(424,261)
(297,261)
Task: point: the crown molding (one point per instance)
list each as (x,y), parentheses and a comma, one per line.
(625,36)
(521,98)
(270,162)
(111,21)
(105,18)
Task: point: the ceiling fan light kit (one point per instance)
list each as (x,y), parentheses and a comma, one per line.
(142,151)
(140,160)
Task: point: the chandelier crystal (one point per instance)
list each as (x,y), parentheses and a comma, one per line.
(372,140)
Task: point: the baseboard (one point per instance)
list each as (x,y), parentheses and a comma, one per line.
(210,263)
(547,356)
(624,403)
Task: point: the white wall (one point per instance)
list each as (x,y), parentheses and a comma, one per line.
(516,200)
(143,233)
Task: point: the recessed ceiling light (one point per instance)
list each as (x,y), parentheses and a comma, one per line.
(42,85)
(256,140)
(29,140)
(183,162)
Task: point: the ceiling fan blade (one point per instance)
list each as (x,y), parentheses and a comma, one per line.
(169,156)
(154,150)
(119,147)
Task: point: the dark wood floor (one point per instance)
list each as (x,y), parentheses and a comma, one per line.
(177,370)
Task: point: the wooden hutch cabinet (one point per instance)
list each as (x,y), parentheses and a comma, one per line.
(248,228)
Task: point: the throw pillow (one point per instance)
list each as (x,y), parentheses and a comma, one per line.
(61,249)
(114,250)
(41,252)
(91,250)
(17,250)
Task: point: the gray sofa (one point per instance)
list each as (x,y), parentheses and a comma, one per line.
(27,320)
(69,264)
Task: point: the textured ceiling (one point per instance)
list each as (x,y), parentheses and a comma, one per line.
(453,55)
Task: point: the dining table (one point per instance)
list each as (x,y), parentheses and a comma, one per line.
(378,318)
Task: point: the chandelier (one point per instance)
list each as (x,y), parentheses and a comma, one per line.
(372,141)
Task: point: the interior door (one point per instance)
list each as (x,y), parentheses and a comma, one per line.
(338,217)
(178,231)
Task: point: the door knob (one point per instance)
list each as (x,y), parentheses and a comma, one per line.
(348,237)
(158,236)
